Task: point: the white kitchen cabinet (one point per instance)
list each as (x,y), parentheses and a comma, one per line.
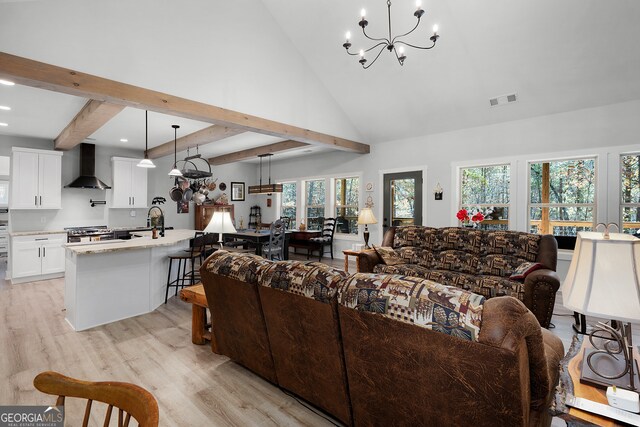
(129,184)
(37,256)
(36,179)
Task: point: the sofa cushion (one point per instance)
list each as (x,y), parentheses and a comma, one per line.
(495,286)
(498,265)
(415,236)
(415,255)
(388,255)
(459,239)
(243,267)
(402,269)
(312,279)
(515,243)
(421,302)
(454,260)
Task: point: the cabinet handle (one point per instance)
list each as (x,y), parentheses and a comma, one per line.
(35,200)
(44,252)
(38,252)
(43,238)
(40,200)
(134,201)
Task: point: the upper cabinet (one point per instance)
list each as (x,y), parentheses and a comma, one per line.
(129,184)
(36,179)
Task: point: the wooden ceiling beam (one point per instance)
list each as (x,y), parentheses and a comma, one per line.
(32,73)
(203,136)
(252,153)
(91,117)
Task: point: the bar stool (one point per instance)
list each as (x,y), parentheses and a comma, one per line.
(195,251)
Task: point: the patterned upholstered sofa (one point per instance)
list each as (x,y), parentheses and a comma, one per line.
(475,260)
(378,349)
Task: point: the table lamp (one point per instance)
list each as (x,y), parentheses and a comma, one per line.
(366,217)
(220,223)
(603,281)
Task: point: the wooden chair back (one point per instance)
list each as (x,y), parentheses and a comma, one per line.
(130,400)
(275,247)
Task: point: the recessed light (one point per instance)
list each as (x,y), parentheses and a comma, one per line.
(4,124)
(124,140)
(4,107)
(6,82)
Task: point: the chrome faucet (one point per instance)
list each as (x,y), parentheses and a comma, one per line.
(160,219)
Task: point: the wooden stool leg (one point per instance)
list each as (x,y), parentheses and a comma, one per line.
(198,324)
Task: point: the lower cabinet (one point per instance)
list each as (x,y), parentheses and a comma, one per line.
(37,255)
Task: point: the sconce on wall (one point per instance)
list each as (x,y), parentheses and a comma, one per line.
(437,191)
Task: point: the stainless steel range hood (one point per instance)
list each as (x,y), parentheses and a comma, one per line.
(87,178)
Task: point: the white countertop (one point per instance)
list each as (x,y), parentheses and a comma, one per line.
(171,238)
(35,233)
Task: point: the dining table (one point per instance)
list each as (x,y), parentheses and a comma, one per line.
(257,238)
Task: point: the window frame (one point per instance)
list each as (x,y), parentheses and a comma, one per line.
(623,204)
(485,206)
(281,205)
(306,206)
(336,206)
(564,242)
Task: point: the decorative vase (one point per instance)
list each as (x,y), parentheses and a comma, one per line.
(302,227)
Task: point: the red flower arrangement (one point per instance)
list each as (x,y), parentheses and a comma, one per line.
(470,218)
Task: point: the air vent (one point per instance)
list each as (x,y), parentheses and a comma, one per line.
(503,100)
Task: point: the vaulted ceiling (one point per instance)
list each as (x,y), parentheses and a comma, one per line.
(283,61)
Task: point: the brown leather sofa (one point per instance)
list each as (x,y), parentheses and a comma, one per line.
(377,349)
(476,260)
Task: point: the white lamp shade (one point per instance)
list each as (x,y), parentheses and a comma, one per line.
(175,172)
(220,223)
(146,163)
(366,217)
(603,277)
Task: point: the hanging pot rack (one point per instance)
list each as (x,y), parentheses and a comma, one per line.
(195,173)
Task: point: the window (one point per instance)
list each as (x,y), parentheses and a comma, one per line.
(314,202)
(288,205)
(562,198)
(346,205)
(486,189)
(630,193)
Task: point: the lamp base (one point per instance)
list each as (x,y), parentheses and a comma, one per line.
(366,238)
(608,366)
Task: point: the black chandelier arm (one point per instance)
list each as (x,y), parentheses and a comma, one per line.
(375,39)
(407,33)
(377,56)
(368,50)
(416,47)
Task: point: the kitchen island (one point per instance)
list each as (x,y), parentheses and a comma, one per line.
(117,279)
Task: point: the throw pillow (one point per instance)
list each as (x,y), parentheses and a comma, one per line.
(524,269)
(389,255)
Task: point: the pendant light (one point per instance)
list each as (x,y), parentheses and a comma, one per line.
(146,162)
(175,171)
(267,188)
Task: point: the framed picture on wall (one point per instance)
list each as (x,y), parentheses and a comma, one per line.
(237,191)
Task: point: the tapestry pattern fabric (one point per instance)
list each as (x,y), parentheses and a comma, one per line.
(389,255)
(514,243)
(494,286)
(310,279)
(453,260)
(499,265)
(243,267)
(421,302)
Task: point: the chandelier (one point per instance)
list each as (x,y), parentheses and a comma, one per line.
(392,44)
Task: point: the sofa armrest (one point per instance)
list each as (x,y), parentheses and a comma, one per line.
(540,289)
(508,324)
(367,259)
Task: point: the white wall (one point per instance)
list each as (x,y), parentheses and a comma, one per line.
(590,130)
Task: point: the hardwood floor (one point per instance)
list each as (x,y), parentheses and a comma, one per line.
(193,386)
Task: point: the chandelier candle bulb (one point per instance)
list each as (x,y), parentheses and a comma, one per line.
(348,35)
(435,30)
(363,13)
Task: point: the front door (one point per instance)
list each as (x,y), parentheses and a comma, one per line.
(402,199)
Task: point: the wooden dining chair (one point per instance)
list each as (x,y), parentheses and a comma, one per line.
(130,400)
(274,248)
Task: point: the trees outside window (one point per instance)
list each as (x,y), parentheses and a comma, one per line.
(630,193)
(288,205)
(486,189)
(346,205)
(562,196)
(314,203)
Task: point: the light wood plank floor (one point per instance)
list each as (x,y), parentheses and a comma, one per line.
(193,386)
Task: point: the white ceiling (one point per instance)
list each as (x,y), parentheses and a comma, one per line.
(557,56)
